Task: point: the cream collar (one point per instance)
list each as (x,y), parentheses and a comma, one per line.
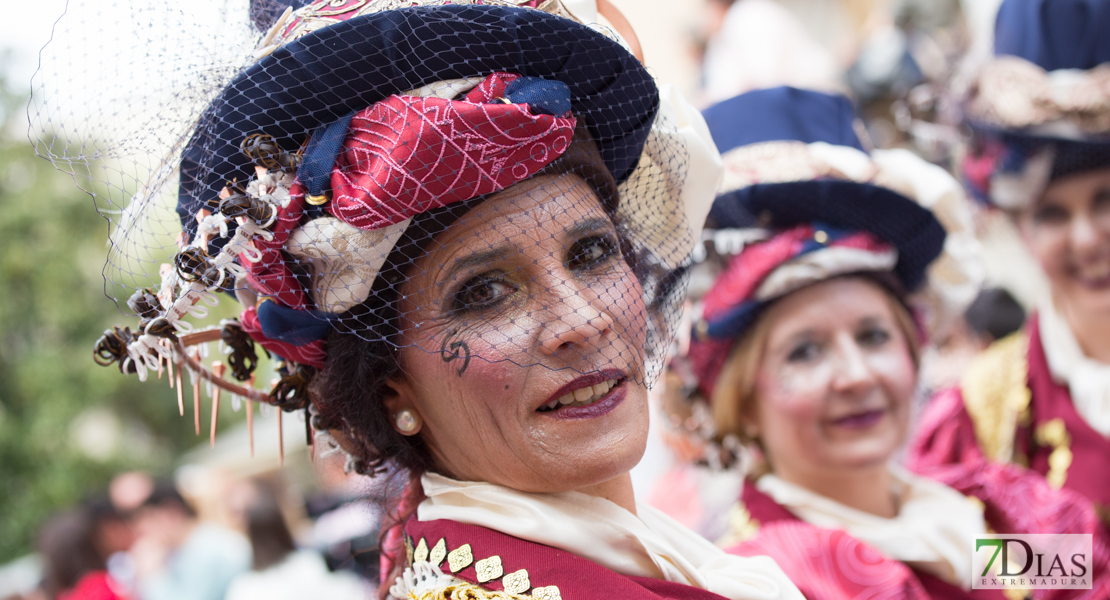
(1088,380)
(646,544)
(934,531)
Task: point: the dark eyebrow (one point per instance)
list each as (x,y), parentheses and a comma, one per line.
(479,259)
(475,260)
(587,226)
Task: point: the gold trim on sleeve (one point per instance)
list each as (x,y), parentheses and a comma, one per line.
(996,395)
(1054,434)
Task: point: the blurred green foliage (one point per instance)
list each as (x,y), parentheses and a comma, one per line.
(66,424)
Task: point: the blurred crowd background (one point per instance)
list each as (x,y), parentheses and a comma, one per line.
(99,474)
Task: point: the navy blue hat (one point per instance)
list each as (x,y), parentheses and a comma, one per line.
(1014,110)
(787,114)
(324,75)
(1054,34)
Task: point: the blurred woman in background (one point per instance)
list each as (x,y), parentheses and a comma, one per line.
(1040,113)
(74,568)
(807,350)
(278,569)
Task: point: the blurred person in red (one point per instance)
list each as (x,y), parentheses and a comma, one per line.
(806,354)
(1039,113)
(73,565)
(279,570)
(177,556)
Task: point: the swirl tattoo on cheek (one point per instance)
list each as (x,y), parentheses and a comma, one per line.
(451,351)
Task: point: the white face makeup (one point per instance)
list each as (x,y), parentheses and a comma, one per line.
(1068,231)
(836,382)
(523,346)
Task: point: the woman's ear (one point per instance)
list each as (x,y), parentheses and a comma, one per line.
(401,406)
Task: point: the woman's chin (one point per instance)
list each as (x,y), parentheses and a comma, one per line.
(1091,298)
(862,454)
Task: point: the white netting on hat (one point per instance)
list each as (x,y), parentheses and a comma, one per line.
(438,191)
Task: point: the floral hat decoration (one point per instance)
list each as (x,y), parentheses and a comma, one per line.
(304,155)
(811,204)
(1039,108)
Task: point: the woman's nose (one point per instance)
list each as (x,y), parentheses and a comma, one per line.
(1086,235)
(854,374)
(577,322)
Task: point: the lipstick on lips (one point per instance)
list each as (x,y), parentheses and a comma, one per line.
(860,420)
(588,396)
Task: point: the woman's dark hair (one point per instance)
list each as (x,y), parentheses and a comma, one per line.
(270,539)
(165,495)
(362,354)
(68,548)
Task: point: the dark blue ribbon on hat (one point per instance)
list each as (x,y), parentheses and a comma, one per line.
(296,327)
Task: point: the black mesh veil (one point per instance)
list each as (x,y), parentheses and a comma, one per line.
(491,181)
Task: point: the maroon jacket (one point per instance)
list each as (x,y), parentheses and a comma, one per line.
(523,566)
(1010,383)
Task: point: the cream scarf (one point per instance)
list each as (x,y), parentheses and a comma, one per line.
(934,531)
(647,544)
(1087,379)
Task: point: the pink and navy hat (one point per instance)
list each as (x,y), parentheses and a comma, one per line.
(352,132)
(1039,108)
(813,204)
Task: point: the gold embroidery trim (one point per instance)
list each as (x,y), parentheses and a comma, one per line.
(439,552)
(420,554)
(741,526)
(548,592)
(1054,434)
(996,395)
(516,582)
(489,569)
(460,558)
(467,591)
(486,570)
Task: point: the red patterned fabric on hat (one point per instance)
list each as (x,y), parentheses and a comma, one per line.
(406,155)
(732,304)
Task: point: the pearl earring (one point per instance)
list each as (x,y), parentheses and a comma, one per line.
(407,421)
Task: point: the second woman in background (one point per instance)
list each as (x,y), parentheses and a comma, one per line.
(807,351)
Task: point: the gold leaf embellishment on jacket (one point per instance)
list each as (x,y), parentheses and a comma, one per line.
(488,569)
(516,582)
(1053,434)
(465,591)
(547,592)
(439,552)
(996,394)
(460,558)
(420,554)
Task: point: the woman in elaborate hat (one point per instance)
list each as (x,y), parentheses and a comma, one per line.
(807,350)
(1039,111)
(463,228)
